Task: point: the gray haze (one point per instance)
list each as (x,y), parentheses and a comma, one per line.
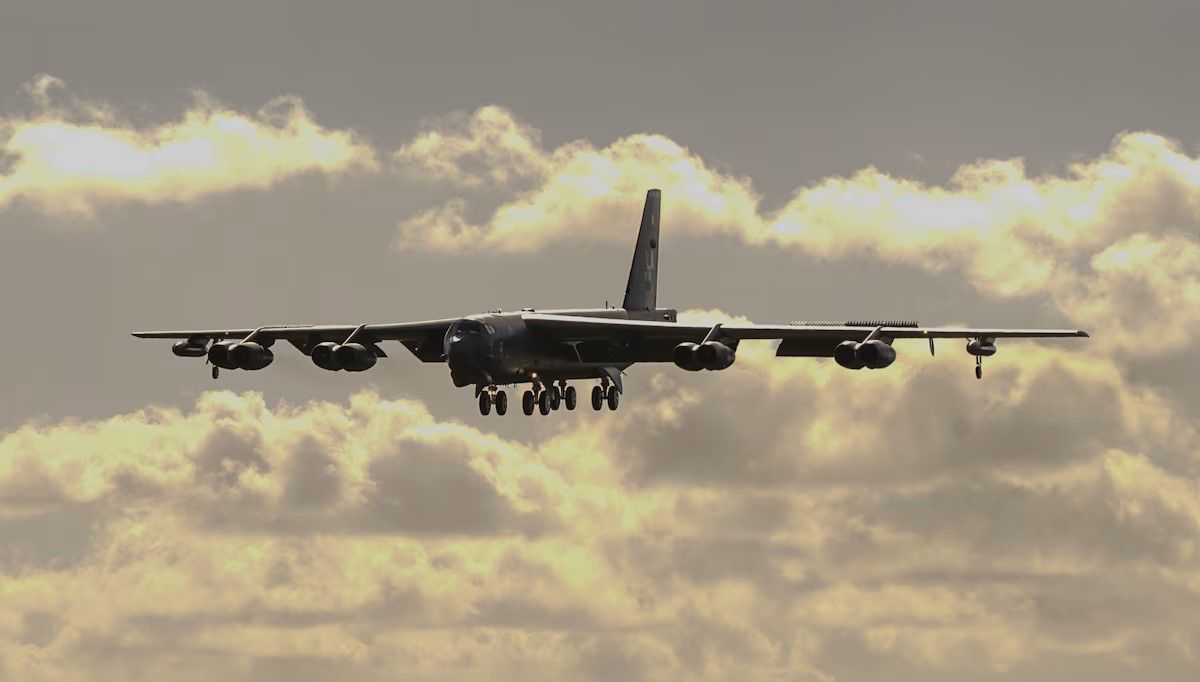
(783,95)
(1062,510)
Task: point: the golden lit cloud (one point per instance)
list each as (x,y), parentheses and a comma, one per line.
(68,159)
(1069,237)
(950,526)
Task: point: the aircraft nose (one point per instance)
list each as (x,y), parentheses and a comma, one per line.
(466,356)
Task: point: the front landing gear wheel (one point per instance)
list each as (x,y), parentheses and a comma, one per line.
(485,403)
(527,402)
(501,401)
(544,402)
(978,367)
(216,371)
(614,398)
(597,398)
(570,398)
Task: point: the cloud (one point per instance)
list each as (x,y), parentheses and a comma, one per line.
(782,518)
(1078,239)
(487,147)
(71,157)
(933,526)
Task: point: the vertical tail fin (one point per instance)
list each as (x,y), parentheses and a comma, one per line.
(641,292)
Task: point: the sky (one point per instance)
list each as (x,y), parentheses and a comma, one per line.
(221,164)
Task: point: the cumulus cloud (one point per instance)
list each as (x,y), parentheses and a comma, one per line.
(931,524)
(487,147)
(69,155)
(1078,238)
(780,519)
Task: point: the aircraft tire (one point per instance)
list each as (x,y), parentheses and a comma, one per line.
(597,398)
(485,404)
(570,398)
(555,398)
(527,403)
(544,402)
(614,398)
(216,371)
(501,403)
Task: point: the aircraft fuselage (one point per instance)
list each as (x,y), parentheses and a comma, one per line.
(498,348)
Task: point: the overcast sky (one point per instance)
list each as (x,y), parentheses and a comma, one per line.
(215,164)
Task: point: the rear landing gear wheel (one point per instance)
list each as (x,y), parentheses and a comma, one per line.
(485,403)
(597,398)
(216,371)
(527,402)
(501,401)
(978,367)
(544,402)
(614,398)
(570,398)
(555,397)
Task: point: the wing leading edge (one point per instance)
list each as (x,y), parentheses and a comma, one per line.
(402,331)
(569,328)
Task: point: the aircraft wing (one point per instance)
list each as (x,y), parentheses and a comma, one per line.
(422,338)
(800,339)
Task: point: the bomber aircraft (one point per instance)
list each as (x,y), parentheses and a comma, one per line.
(549,348)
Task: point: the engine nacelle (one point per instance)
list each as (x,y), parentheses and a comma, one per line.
(354,357)
(188,349)
(714,355)
(684,356)
(324,355)
(875,354)
(846,355)
(249,355)
(981,348)
(218,354)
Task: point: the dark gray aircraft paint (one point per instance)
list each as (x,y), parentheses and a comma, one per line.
(548,349)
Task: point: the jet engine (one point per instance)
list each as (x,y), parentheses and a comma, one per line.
(190,349)
(711,355)
(218,354)
(324,356)
(873,354)
(684,356)
(714,355)
(846,355)
(249,355)
(354,357)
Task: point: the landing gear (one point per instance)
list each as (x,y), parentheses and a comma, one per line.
(491,397)
(981,347)
(216,371)
(543,398)
(605,393)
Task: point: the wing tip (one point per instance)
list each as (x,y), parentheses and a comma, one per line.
(1083,334)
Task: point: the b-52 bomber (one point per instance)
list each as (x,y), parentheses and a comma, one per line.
(548,349)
